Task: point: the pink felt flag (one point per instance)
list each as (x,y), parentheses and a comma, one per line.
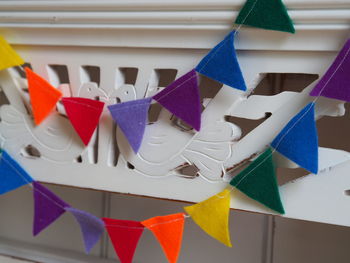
(335,83)
(84,115)
(125,235)
(131,117)
(91,227)
(182,99)
(47,207)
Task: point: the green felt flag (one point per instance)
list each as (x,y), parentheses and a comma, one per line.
(267,14)
(258,181)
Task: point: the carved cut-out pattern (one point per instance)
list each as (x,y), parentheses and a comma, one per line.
(169,144)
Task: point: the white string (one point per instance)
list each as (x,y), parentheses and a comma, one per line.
(166,94)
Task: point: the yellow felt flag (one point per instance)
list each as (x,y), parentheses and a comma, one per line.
(212,216)
(8,56)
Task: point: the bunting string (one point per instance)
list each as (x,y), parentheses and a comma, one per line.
(210,215)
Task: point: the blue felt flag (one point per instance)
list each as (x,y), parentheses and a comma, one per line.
(298,140)
(12,174)
(91,227)
(221,64)
(131,117)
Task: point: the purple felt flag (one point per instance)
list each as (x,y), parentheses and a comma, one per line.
(335,83)
(91,227)
(182,99)
(131,117)
(47,207)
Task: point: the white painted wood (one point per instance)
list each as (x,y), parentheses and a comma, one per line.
(118,45)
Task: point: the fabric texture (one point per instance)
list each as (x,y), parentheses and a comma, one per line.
(125,235)
(47,207)
(298,140)
(91,227)
(168,230)
(335,83)
(131,117)
(12,175)
(84,114)
(221,64)
(267,14)
(212,215)
(258,181)
(182,99)
(43,96)
(9,57)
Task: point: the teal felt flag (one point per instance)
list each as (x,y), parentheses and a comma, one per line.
(267,14)
(258,181)
(298,140)
(12,175)
(221,64)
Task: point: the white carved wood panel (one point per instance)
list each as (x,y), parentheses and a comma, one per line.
(103,55)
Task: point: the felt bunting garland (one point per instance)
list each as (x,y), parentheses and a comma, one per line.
(168,230)
(221,64)
(84,114)
(91,227)
(131,117)
(12,175)
(266,14)
(43,96)
(9,57)
(182,99)
(125,235)
(258,181)
(298,140)
(212,216)
(47,207)
(335,83)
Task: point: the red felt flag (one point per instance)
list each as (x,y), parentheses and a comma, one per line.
(84,114)
(43,96)
(168,230)
(124,235)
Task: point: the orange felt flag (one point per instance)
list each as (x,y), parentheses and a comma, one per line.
(168,230)
(43,96)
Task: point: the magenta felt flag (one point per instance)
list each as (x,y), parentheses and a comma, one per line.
(131,117)
(47,207)
(182,99)
(91,227)
(335,83)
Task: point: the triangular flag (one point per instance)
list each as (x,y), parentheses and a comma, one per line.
(12,174)
(335,83)
(221,64)
(298,140)
(125,235)
(267,14)
(47,207)
(84,114)
(43,96)
(258,181)
(212,216)
(168,230)
(91,227)
(131,117)
(182,99)
(9,57)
